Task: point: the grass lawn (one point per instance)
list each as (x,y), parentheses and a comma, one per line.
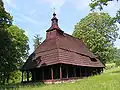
(109,80)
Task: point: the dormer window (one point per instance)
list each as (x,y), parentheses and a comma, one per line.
(93,59)
(37,60)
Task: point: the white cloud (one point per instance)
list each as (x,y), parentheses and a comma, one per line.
(10,3)
(117,44)
(112,7)
(26,18)
(33,13)
(57,4)
(80,4)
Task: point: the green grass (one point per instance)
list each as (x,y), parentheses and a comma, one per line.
(109,80)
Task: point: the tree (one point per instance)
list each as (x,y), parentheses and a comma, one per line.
(37,41)
(15,76)
(117,57)
(100,4)
(18,50)
(5,18)
(13,46)
(5,40)
(20,47)
(99,34)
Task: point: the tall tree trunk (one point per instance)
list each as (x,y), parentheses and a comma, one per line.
(8,76)
(3,78)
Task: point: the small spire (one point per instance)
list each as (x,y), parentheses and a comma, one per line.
(54,24)
(54,19)
(54,14)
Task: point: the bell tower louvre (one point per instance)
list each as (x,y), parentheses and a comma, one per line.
(54,29)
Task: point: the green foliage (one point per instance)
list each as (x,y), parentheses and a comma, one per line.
(5,42)
(5,18)
(37,41)
(13,46)
(100,3)
(17,52)
(110,66)
(15,76)
(20,47)
(118,14)
(98,32)
(117,62)
(117,57)
(5,22)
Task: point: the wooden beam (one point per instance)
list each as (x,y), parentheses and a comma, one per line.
(80,72)
(43,73)
(34,76)
(52,77)
(60,72)
(67,71)
(74,71)
(86,73)
(102,70)
(27,76)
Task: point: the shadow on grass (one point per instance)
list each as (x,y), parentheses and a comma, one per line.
(17,86)
(116,72)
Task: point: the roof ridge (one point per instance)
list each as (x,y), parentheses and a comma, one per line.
(75,52)
(73,37)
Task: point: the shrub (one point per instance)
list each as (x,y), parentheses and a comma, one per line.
(110,65)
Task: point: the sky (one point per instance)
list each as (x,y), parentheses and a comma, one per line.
(34,16)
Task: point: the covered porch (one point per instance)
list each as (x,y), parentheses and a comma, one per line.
(59,72)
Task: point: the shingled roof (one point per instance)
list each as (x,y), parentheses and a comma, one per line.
(59,47)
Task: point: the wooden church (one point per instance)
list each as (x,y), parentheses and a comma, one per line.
(60,57)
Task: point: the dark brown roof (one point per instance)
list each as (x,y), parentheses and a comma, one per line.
(60,47)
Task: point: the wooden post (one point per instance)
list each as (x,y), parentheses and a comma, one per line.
(27,76)
(101,70)
(34,76)
(52,73)
(43,73)
(84,71)
(86,74)
(67,71)
(22,75)
(60,72)
(80,72)
(74,71)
